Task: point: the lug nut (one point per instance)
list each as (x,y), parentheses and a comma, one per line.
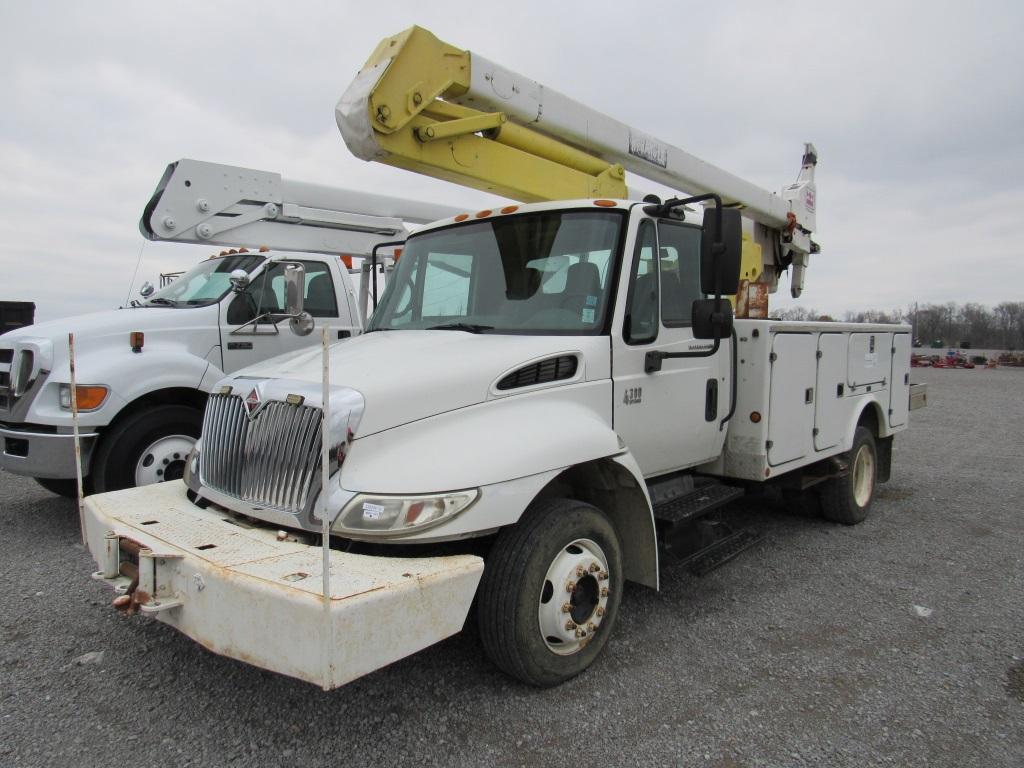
(600,611)
(570,624)
(566,608)
(580,632)
(591,627)
(570,586)
(605,592)
(603,576)
(594,567)
(579,571)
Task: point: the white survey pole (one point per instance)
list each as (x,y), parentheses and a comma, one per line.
(77,438)
(325,523)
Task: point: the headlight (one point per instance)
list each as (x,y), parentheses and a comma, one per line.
(90,397)
(400,514)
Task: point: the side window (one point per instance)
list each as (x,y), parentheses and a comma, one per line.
(679,264)
(641,326)
(320,299)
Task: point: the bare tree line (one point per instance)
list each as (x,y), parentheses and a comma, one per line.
(952,324)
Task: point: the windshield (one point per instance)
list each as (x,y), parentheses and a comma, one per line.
(545,272)
(205,283)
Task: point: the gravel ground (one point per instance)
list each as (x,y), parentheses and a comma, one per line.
(898,642)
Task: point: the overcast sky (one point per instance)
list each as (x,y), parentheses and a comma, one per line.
(917,111)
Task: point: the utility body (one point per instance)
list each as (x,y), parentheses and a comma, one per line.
(144,370)
(550,398)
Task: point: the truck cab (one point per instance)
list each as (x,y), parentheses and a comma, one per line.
(144,370)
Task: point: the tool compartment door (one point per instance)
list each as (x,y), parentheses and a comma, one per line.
(791,398)
(866,364)
(829,412)
(899,387)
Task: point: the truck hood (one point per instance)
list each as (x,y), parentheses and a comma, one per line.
(405,376)
(98,334)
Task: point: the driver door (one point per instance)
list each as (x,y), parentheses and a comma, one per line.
(669,419)
(244,342)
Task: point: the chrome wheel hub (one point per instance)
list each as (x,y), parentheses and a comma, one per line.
(574,597)
(163,460)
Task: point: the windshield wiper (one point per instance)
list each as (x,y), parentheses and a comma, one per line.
(161,300)
(468,327)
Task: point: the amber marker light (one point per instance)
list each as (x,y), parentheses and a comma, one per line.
(755,417)
(484,213)
(510,209)
(347,261)
(137,339)
(462,217)
(90,398)
(605,203)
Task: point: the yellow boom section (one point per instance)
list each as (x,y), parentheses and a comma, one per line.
(417,126)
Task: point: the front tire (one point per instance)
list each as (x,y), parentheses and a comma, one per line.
(149,446)
(550,592)
(847,499)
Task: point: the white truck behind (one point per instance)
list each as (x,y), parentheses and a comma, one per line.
(548,398)
(144,371)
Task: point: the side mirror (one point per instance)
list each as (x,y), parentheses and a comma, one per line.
(146,290)
(301,322)
(712,318)
(239,280)
(725,264)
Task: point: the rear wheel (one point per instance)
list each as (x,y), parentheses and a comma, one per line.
(847,499)
(149,446)
(550,592)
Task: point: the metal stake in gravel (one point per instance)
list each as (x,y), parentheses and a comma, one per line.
(325,523)
(78,441)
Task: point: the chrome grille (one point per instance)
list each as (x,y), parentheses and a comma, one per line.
(270,460)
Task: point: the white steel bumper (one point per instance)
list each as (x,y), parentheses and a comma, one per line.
(242,592)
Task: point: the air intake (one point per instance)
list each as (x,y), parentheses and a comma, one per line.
(552,369)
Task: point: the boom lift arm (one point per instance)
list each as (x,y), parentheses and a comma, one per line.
(427,106)
(224,205)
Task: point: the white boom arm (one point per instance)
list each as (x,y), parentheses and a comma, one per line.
(224,205)
(425,105)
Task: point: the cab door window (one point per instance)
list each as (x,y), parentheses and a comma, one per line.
(679,265)
(641,321)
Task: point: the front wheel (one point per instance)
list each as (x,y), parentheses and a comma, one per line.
(149,446)
(847,499)
(550,592)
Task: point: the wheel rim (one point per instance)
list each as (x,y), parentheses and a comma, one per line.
(574,597)
(863,476)
(164,459)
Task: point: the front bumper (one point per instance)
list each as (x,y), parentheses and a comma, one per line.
(241,592)
(27,451)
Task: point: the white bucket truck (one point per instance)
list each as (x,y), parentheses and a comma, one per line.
(548,395)
(144,371)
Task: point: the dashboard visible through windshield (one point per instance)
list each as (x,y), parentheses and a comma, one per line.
(545,272)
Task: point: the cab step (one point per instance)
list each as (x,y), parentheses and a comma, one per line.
(705,560)
(695,503)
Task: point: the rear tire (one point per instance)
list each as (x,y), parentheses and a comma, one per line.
(847,499)
(148,446)
(550,592)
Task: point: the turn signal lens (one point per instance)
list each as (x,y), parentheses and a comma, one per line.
(90,396)
(347,261)
(390,515)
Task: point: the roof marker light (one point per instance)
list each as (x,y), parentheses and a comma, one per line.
(462,217)
(605,203)
(510,209)
(484,213)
